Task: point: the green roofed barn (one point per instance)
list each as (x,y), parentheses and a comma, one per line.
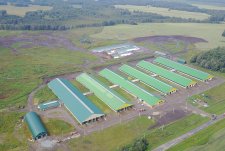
(35,125)
(133,89)
(169,75)
(78,105)
(200,75)
(108,96)
(148,80)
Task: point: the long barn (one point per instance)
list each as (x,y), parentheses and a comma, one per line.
(169,75)
(133,89)
(200,75)
(148,80)
(108,96)
(78,104)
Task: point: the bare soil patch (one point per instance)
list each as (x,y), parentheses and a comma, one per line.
(169,117)
(161,39)
(42,39)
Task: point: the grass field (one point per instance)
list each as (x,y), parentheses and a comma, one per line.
(210,32)
(57,127)
(21,73)
(12,132)
(123,134)
(21,11)
(215,98)
(112,138)
(165,12)
(100,104)
(209,139)
(159,136)
(211,7)
(44,95)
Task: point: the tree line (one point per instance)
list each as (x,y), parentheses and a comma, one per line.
(138,145)
(212,59)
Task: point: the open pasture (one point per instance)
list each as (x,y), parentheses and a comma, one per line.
(165,12)
(209,32)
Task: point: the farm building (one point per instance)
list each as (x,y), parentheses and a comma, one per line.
(35,125)
(48,105)
(108,96)
(148,80)
(117,51)
(78,104)
(169,75)
(200,75)
(133,89)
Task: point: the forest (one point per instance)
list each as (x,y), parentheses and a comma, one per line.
(213,59)
(93,13)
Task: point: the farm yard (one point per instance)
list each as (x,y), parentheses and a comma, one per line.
(165,12)
(139,87)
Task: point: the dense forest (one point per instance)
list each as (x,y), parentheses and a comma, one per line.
(213,59)
(64,15)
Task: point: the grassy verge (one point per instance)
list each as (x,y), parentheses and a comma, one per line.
(57,127)
(100,104)
(112,138)
(211,138)
(214,98)
(160,136)
(12,132)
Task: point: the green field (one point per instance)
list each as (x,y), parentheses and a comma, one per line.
(112,138)
(21,73)
(215,98)
(57,127)
(211,7)
(123,134)
(210,32)
(21,11)
(165,12)
(209,139)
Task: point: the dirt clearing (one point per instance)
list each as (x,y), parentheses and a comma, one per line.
(172,38)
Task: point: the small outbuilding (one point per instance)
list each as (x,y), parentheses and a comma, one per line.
(35,125)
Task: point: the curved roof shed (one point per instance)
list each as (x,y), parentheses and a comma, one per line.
(35,125)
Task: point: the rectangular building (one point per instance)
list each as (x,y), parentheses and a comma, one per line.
(200,75)
(148,80)
(135,90)
(108,96)
(78,105)
(169,75)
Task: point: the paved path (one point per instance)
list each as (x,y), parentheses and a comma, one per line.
(187,135)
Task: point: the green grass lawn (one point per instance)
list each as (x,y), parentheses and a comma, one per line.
(100,104)
(209,139)
(12,132)
(43,95)
(165,12)
(21,11)
(210,32)
(57,127)
(79,86)
(160,136)
(112,138)
(215,98)
(120,135)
